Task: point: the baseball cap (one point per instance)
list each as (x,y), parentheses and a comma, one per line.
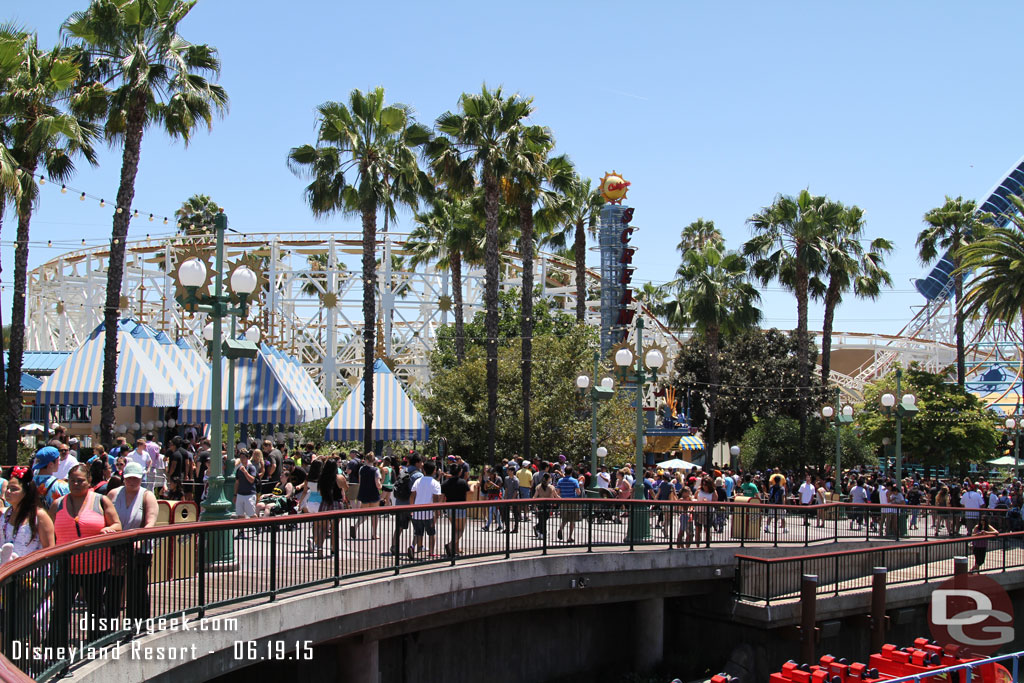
(44,456)
(134,469)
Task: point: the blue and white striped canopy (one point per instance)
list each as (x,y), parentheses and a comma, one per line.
(79,379)
(167,357)
(190,360)
(395,418)
(299,381)
(262,396)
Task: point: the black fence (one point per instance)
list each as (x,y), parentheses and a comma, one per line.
(98,591)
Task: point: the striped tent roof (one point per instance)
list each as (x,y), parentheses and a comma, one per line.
(395,418)
(165,356)
(691,443)
(191,360)
(79,379)
(299,381)
(262,395)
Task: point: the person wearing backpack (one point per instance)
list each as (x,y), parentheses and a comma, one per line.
(403,497)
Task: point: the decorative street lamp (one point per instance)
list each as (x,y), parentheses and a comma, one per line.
(1013,423)
(734,452)
(193,277)
(842,415)
(634,369)
(907,408)
(597,393)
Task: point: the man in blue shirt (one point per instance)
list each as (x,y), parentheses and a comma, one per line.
(45,466)
(569,487)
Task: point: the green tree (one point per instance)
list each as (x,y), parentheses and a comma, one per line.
(713,295)
(848,266)
(759,375)
(475,143)
(578,205)
(951,226)
(41,134)
(376,145)
(787,247)
(154,77)
(951,425)
(775,442)
(195,215)
(996,264)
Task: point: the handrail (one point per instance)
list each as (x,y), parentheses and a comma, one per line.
(189,581)
(969,667)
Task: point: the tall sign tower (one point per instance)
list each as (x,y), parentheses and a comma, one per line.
(616,262)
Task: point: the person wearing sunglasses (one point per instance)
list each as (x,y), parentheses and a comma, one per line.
(83,513)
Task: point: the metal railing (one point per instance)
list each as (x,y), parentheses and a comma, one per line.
(81,593)
(767,579)
(969,670)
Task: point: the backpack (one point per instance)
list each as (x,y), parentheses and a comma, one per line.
(403,487)
(874,498)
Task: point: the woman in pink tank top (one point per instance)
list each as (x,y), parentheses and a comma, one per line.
(83,513)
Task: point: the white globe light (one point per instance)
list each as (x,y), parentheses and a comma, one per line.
(602,452)
(582,382)
(909,399)
(243,280)
(208,332)
(888,400)
(135,426)
(149,425)
(654,359)
(253,334)
(607,382)
(159,424)
(192,273)
(171,423)
(734,450)
(1010,423)
(623,358)
(886,441)
(848,410)
(827,411)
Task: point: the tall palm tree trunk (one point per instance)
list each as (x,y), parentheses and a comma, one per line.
(17,348)
(579,249)
(6,419)
(958,290)
(803,366)
(526,247)
(115,267)
(714,373)
(491,305)
(831,301)
(455,261)
(369,318)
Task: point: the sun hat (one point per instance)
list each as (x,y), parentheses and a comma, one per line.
(134,469)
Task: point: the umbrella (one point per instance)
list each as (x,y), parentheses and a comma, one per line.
(676,464)
(32,427)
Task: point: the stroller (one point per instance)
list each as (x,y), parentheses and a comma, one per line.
(606,513)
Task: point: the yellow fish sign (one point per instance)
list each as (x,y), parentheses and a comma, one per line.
(614,187)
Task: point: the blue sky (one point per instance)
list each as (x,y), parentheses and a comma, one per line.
(709,109)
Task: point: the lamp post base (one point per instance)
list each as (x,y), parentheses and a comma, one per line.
(220,548)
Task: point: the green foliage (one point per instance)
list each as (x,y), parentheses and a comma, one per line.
(195,215)
(547,321)
(759,375)
(455,404)
(775,442)
(950,422)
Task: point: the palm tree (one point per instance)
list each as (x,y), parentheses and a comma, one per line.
(579,204)
(951,226)
(474,143)
(375,144)
(787,247)
(698,234)
(712,294)
(528,161)
(996,265)
(41,134)
(196,214)
(450,235)
(153,76)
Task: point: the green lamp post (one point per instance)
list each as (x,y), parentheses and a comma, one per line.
(907,408)
(633,369)
(597,394)
(841,415)
(1013,424)
(193,276)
